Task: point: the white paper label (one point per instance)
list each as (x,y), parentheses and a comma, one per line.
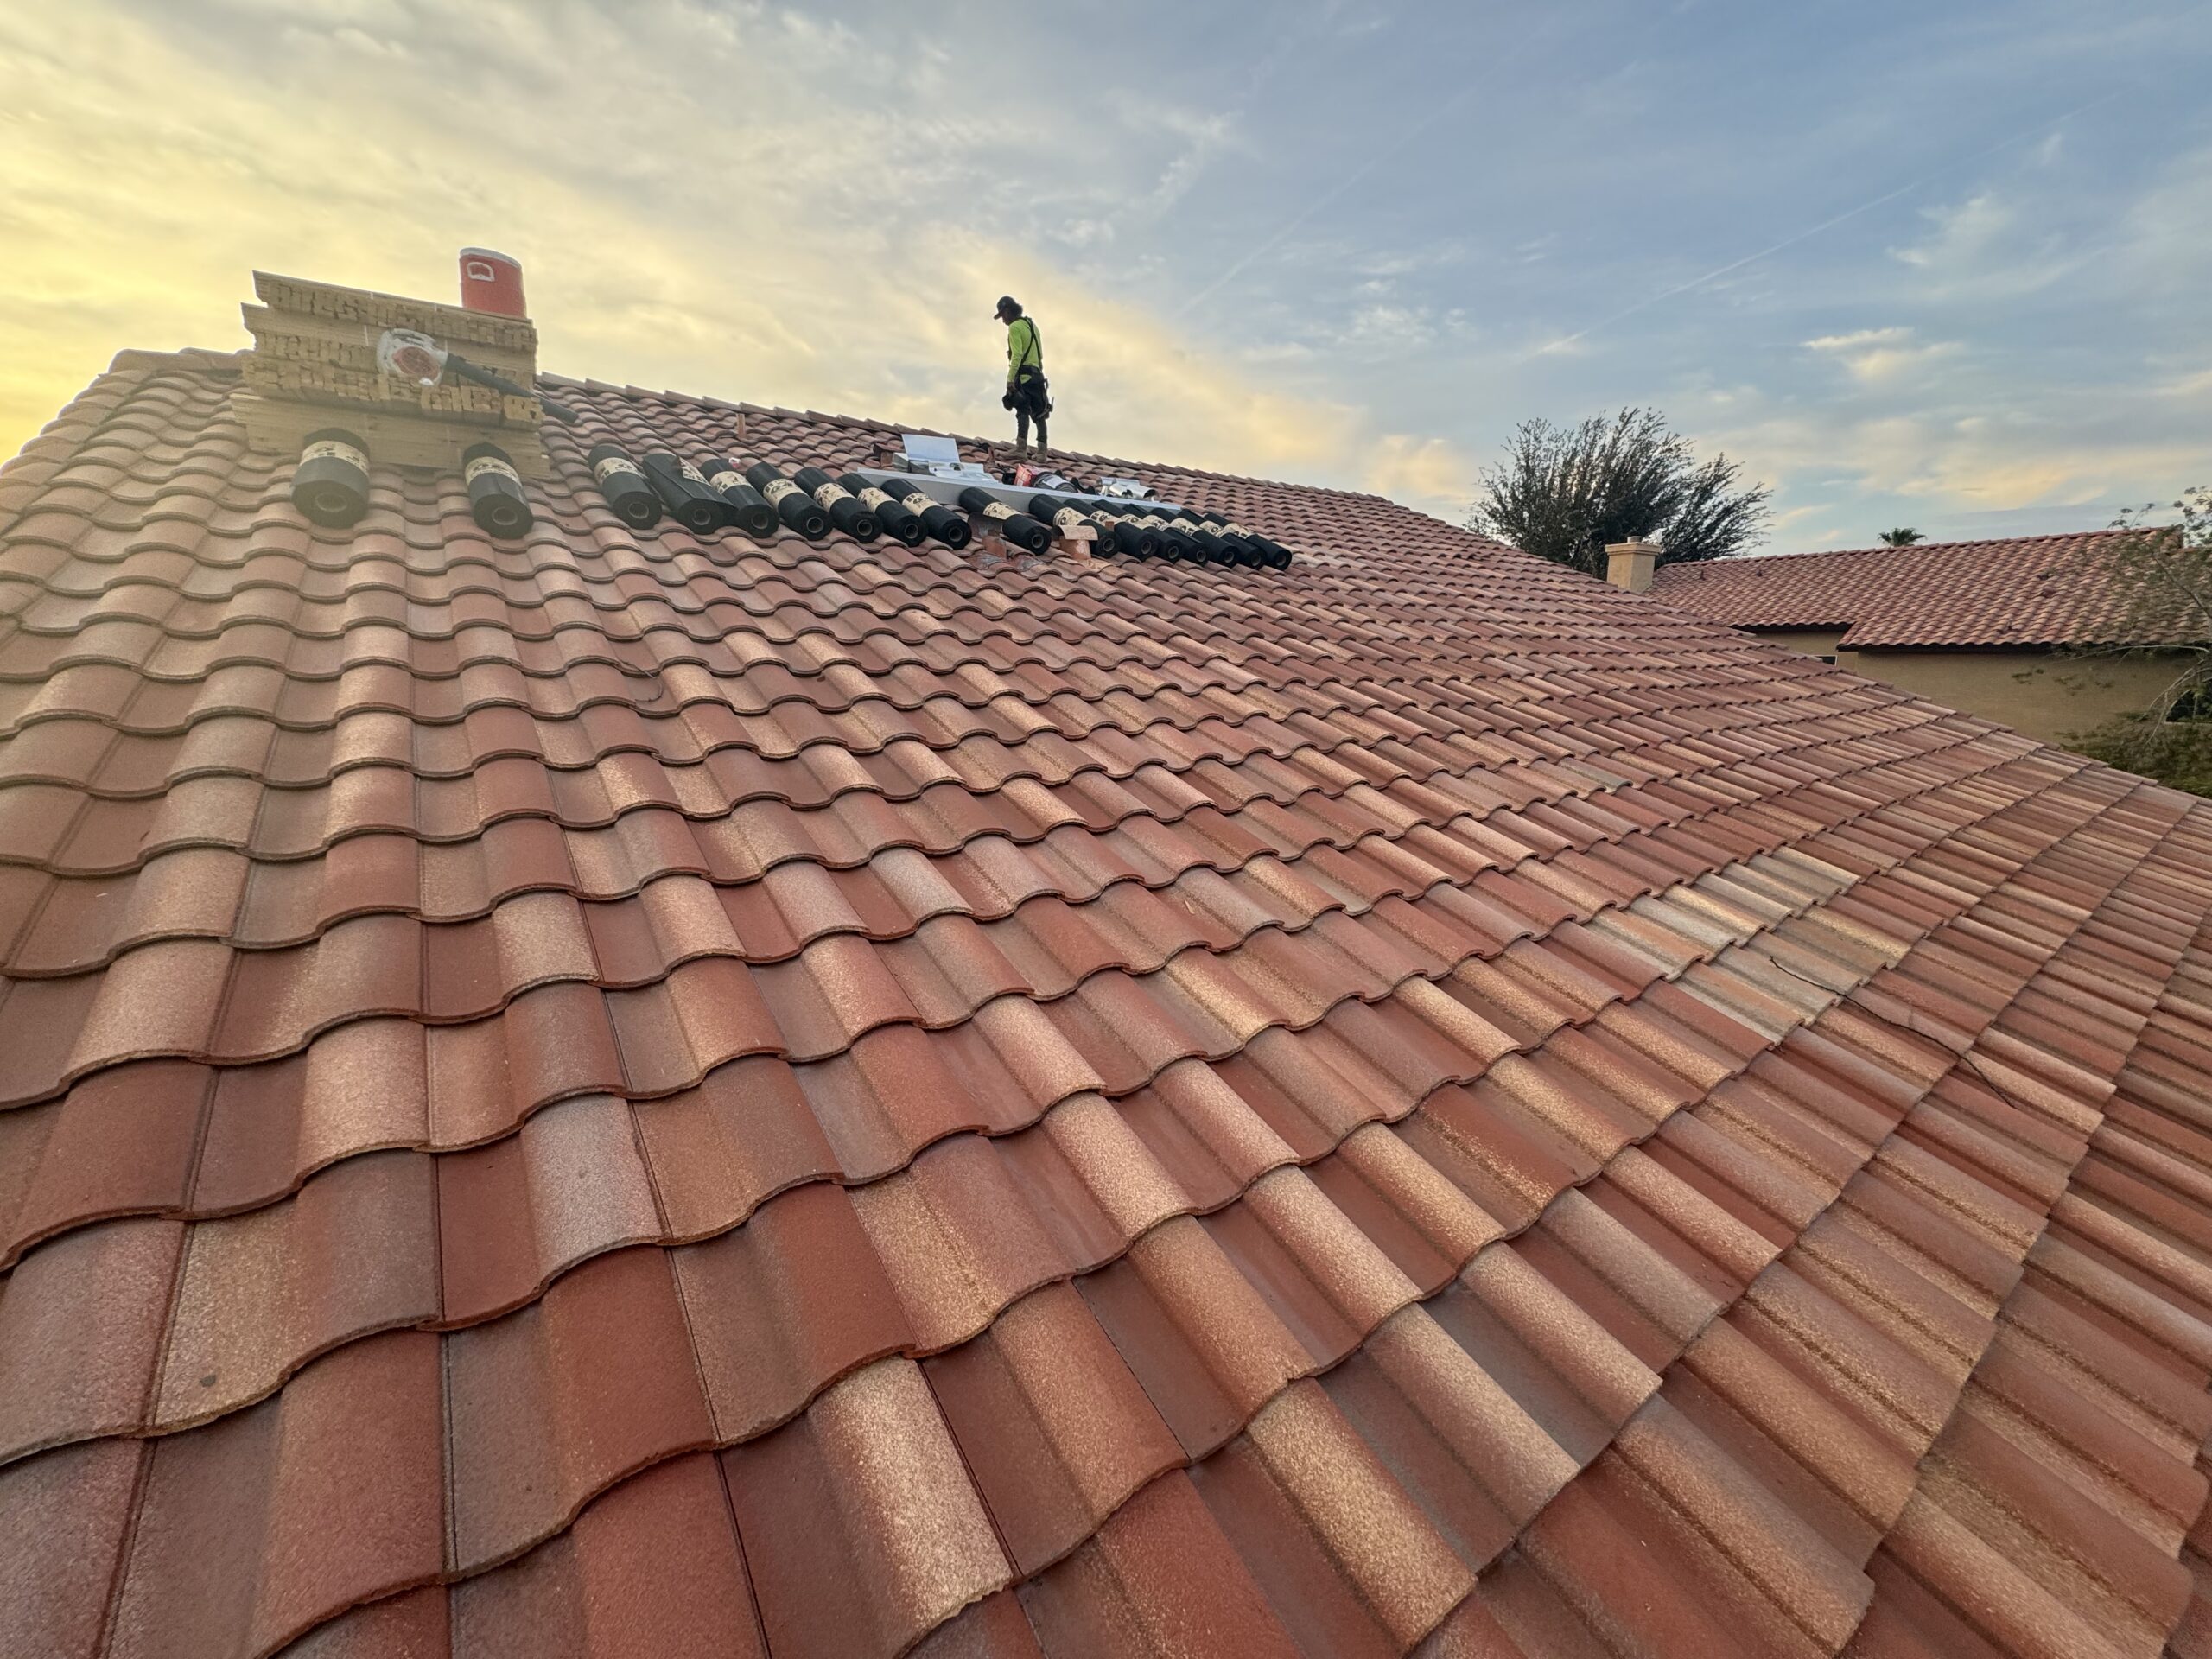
(997,510)
(777,491)
(690,472)
(875,499)
(830,492)
(331,449)
(491,464)
(1069,518)
(613,464)
(918,504)
(729,479)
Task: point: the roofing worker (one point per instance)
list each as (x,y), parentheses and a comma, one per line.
(1026,392)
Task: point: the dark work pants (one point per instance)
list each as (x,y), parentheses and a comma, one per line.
(1028,402)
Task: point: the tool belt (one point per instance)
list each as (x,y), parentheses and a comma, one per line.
(1029,387)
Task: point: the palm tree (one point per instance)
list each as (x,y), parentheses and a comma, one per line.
(1903,535)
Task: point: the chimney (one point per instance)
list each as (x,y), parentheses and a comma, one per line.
(1628,564)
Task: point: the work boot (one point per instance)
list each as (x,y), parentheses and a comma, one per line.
(1022,450)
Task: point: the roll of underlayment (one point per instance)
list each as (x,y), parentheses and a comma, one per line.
(893,517)
(1019,528)
(849,514)
(1175,545)
(330,484)
(753,513)
(1130,536)
(691,501)
(941,521)
(496,500)
(623,482)
(1063,515)
(793,504)
(1273,553)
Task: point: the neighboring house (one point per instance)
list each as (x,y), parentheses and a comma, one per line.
(1981,627)
(643,1092)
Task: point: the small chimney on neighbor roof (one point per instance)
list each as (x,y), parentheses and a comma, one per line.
(1628,564)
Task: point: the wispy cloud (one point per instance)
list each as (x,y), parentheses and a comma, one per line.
(1875,356)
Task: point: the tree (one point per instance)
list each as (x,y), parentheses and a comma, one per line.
(1568,493)
(1903,535)
(2157,580)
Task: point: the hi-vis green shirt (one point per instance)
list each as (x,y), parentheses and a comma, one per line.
(1021,347)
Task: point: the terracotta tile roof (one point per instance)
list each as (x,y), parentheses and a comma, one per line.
(616,1094)
(2033,590)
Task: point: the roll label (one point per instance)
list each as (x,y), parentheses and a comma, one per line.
(779,488)
(491,464)
(330,449)
(1069,518)
(875,499)
(997,510)
(828,494)
(917,503)
(729,479)
(692,472)
(614,466)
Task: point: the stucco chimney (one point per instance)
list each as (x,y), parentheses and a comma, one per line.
(1628,564)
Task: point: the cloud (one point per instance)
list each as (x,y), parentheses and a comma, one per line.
(1427,472)
(1876,356)
(673,232)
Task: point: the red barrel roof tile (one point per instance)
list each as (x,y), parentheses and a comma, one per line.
(624,1093)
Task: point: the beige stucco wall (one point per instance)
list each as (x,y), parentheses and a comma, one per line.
(2058,695)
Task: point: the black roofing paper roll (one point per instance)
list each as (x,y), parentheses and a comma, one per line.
(941,521)
(793,504)
(495,497)
(848,515)
(691,501)
(330,484)
(894,520)
(1019,528)
(1273,553)
(623,482)
(1059,510)
(1175,544)
(749,507)
(1211,547)
(1130,536)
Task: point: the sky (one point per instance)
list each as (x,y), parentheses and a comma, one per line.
(1939,264)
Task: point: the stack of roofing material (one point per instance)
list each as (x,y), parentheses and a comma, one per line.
(620,1093)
